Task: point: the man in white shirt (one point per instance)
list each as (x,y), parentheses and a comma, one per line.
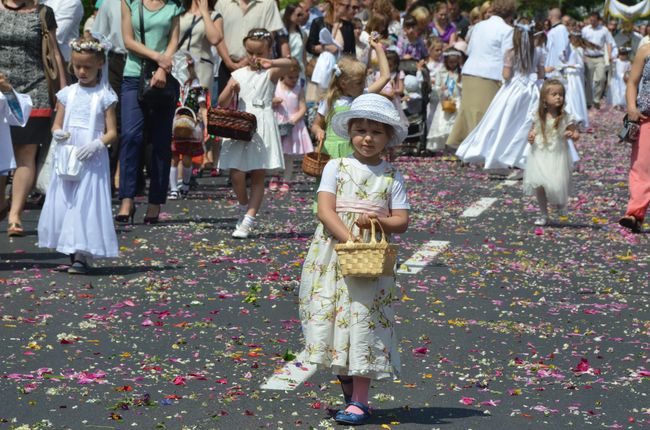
(240,17)
(68,14)
(557,44)
(596,60)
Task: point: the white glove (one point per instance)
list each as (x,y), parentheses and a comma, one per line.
(90,149)
(60,136)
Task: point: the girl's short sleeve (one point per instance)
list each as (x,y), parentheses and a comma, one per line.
(398,198)
(62,95)
(323,108)
(109,98)
(328,179)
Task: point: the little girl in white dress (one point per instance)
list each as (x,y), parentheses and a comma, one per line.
(548,164)
(76,218)
(448,88)
(618,82)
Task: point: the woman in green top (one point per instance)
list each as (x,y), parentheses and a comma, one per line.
(161,35)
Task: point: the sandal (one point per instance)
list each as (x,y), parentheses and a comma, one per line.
(344,382)
(345,417)
(631,223)
(15,230)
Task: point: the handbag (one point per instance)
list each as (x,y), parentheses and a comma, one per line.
(232,123)
(148,94)
(66,164)
(367,259)
(630,131)
(49,61)
(285,129)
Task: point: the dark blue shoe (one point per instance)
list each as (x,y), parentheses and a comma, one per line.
(346,397)
(343,417)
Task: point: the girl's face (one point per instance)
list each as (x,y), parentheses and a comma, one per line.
(256,49)
(411,33)
(291,79)
(436,52)
(369,138)
(554,98)
(442,16)
(452,62)
(86,66)
(298,16)
(357,32)
(353,87)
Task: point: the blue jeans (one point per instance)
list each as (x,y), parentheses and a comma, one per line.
(138,121)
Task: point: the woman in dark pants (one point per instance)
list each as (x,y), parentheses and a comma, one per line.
(161,24)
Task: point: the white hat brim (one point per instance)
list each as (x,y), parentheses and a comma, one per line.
(340,123)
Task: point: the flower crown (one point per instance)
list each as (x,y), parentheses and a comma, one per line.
(80,45)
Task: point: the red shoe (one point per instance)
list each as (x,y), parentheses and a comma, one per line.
(273,185)
(284,187)
(214,172)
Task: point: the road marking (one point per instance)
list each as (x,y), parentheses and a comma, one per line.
(479,207)
(424,256)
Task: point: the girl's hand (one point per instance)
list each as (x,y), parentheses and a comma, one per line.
(531,136)
(568,134)
(159,78)
(203,7)
(5,86)
(264,63)
(634,115)
(331,48)
(364,221)
(60,136)
(165,62)
(276,101)
(375,44)
(320,136)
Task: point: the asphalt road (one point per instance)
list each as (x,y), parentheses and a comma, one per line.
(510,326)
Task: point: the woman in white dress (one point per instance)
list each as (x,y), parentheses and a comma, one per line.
(499,140)
(574,72)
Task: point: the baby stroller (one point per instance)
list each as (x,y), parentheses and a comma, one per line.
(417,86)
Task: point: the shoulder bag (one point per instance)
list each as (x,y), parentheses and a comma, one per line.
(148,94)
(49,61)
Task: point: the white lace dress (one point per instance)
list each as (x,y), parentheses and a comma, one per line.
(548,162)
(76,215)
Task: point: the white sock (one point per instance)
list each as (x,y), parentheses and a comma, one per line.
(173,178)
(243,208)
(248,221)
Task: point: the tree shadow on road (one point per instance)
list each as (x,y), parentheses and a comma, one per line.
(427,416)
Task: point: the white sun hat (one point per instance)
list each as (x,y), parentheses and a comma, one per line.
(373,107)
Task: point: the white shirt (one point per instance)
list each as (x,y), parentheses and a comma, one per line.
(68,14)
(558,47)
(490,41)
(398,198)
(599,36)
(109,23)
(15,115)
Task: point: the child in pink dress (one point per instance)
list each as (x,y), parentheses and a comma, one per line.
(290,108)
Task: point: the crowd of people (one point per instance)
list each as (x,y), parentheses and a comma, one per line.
(130,102)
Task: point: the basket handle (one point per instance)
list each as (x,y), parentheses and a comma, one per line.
(319,148)
(373,232)
(185,108)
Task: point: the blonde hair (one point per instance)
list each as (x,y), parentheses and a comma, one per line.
(474,15)
(485,7)
(351,70)
(422,16)
(542,110)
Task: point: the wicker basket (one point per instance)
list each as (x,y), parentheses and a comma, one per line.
(367,260)
(184,123)
(313,163)
(231,123)
(449,106)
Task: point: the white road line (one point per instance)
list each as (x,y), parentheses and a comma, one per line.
(424,256)
(290,376)
(479,207)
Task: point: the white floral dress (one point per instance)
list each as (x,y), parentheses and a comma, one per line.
(349,323)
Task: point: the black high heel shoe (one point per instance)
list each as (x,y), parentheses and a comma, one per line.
(152,219)
(126,219)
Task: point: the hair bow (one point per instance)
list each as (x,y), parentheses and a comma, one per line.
(337,70)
